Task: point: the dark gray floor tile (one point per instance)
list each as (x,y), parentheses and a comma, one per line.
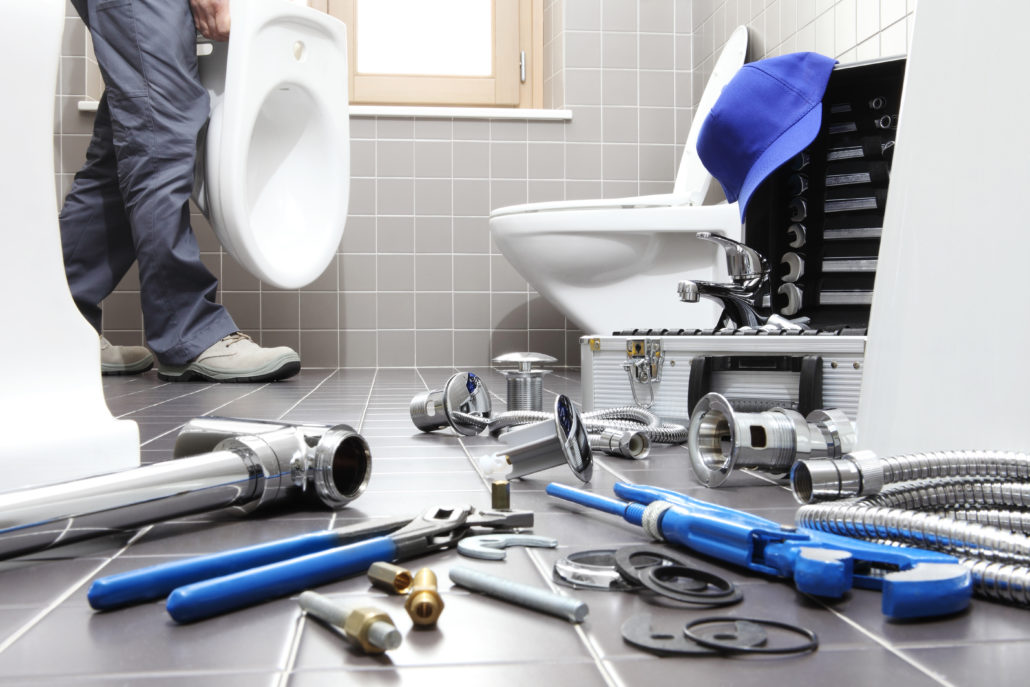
(553,672)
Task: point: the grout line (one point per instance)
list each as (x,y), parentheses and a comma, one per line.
(885,644)
(368,399)
(167,400)
(180,426)
(289,659)
(305,396)
(38,618)
(607,675)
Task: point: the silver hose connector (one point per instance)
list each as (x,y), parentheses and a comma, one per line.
(862,473)
(463,396)
(623,443)
(561,438)
(525,385)
(242,472)
(721,439)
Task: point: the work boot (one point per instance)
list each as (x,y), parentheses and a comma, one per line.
(235,358)
(124,360)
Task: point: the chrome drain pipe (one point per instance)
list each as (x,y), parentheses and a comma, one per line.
(463,404)
(242,472)
(625,443)
(525,385)
(721,439)
(561,438)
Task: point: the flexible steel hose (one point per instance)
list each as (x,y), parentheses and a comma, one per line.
(976,463)
(627,418)
(950,493)
(924,530)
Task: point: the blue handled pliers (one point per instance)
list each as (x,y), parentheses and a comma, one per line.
(915,583)
(205,586)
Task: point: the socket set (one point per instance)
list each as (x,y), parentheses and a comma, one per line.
(818,218)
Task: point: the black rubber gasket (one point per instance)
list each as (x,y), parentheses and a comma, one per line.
(642,632)
(659,557)
(659,580)
(811,645)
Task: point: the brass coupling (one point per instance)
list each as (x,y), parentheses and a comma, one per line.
(424,603)
(364,626)
(389,577)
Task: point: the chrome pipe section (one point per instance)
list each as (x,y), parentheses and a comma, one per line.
(243,473)
(461,404)
(202,434)
(632,444)
(627,418)
(721,439)
(561,438)
(525,385)
(863,473)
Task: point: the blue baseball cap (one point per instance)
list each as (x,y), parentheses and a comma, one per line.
(768,113)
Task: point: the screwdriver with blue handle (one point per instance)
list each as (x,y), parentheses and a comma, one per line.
(235,579)
(915,583)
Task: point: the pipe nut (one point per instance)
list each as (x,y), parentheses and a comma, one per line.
(424,604)
(361,622)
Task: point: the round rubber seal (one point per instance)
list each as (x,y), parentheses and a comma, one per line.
(630,560)
(668,581)
(711,641)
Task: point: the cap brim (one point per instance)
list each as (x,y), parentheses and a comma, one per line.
(790,143)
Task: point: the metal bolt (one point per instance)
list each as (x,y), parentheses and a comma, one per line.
(364,626)
(524,595)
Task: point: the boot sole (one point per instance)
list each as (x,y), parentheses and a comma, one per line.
(125,371)
(193,374)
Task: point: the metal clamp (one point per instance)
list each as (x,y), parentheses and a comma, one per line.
(643,366)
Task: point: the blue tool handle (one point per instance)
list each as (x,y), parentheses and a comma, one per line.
(237,590)
(157,581)
(632,512)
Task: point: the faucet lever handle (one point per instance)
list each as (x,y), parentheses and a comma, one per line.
(742,262)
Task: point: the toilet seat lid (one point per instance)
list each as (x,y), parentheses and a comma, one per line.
(693,179)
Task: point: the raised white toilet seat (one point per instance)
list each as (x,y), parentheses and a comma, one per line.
(274,165)
(612,264)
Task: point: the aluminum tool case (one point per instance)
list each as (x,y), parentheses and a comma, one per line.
(669,372)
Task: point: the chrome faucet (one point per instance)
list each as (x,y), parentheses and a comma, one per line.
(748,270)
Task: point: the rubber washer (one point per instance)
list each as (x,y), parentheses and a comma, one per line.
(811,643)
(627,558)
(661,580)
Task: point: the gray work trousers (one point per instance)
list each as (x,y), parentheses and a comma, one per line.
(130,201)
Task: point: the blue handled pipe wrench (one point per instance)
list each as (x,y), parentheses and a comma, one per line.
(915,583)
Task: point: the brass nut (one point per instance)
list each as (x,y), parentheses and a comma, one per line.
(424,603)
(390,577)
(500,495)
(359,622)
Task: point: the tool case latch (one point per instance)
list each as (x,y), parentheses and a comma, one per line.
(644,360)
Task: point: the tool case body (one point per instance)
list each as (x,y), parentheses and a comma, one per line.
(669,372)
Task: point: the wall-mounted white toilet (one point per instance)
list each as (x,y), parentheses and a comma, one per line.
(614,264)
(57,426)
(273,168)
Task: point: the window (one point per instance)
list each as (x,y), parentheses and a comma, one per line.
(443,52)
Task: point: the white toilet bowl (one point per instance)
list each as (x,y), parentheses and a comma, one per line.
(273,169)
(613,264)
(57,426)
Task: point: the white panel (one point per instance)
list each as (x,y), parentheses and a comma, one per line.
(946,363)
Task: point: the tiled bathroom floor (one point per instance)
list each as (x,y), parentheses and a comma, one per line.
(50,636)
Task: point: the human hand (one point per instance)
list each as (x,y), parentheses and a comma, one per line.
(211,18)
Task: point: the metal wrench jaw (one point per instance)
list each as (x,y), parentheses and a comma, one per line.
(927,589)
(442,527)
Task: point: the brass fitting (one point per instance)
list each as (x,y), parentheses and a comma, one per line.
(390,577)
(365,626)
(360,622)
(424,603)
(500,495)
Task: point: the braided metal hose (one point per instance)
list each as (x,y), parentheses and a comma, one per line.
(862,473)
(950,493)
(999,581)
(623,419)
(924,530)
